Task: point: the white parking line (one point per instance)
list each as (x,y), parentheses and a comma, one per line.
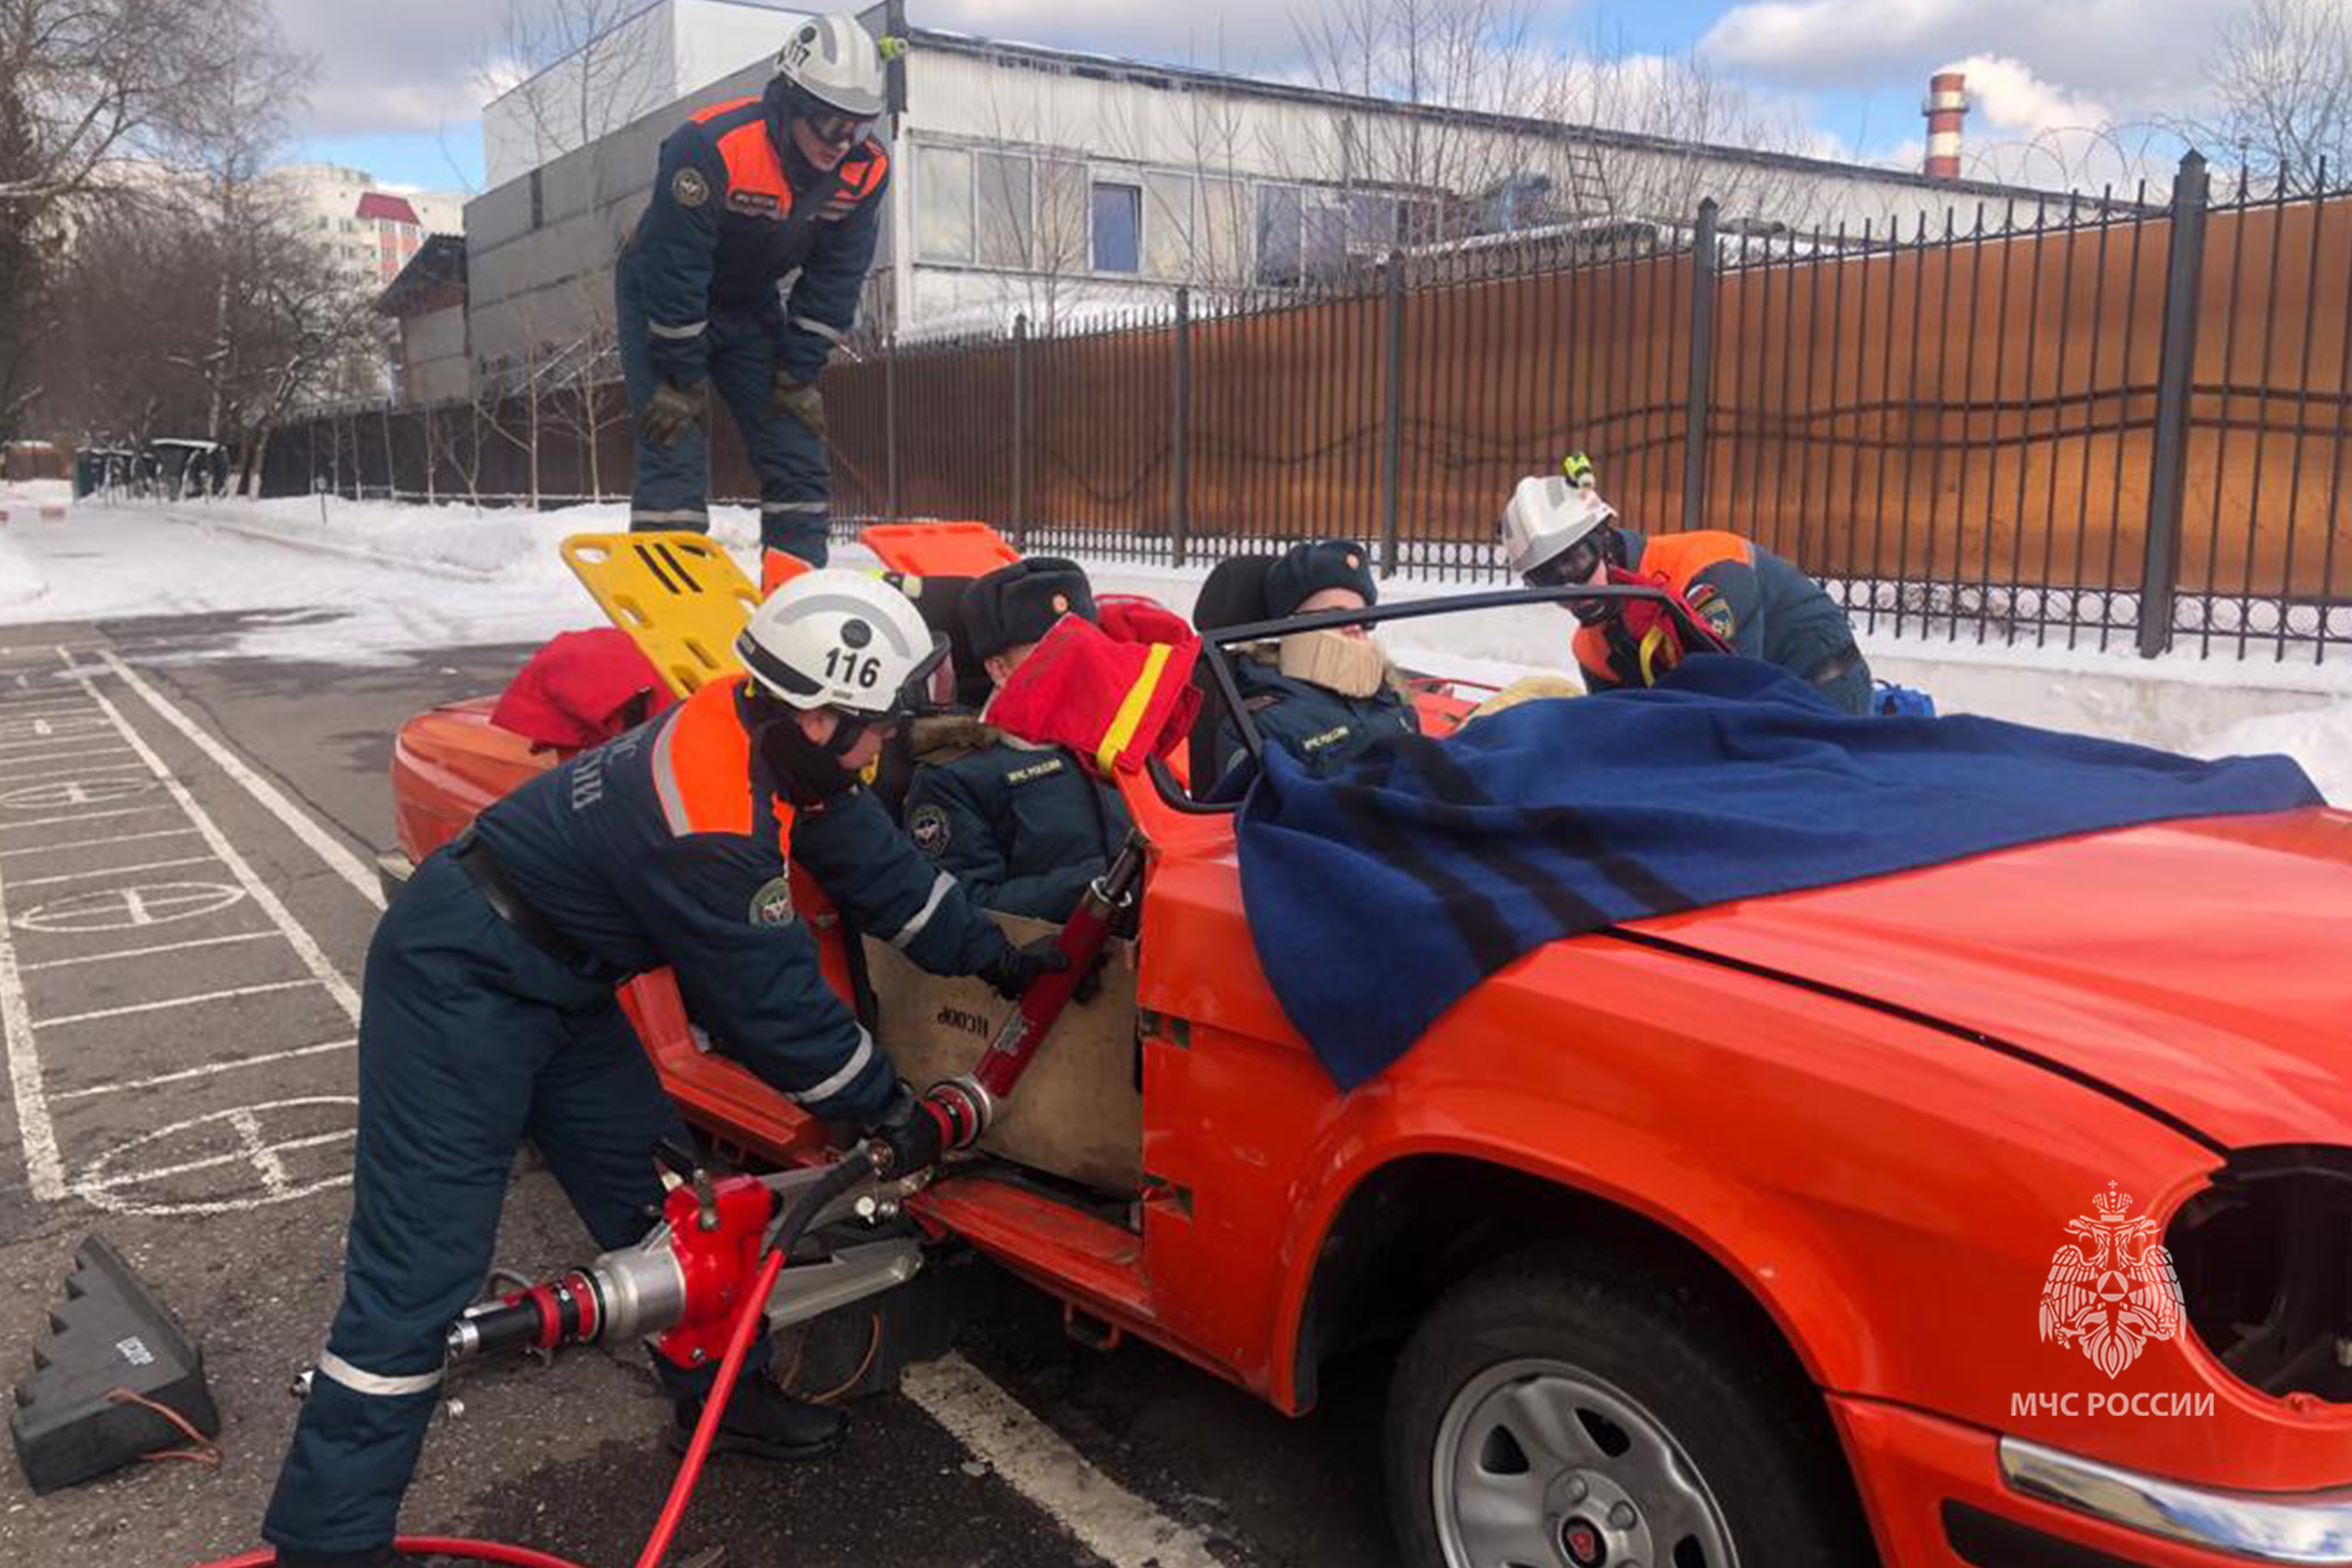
(313,957)
(338,857)
(84,816)
(37,1133)
(210,1069)
(170,1002)
(71,771)
(96,843)
(150,953)
(112,871)
(67,757)
(1038,1462)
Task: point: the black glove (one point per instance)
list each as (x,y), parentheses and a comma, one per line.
(1012,971)
(809,775)
(908,1138)
(669,414)
(798,398)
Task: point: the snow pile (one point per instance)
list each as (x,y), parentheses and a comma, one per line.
(2320,738)
(20,581)
(37,493)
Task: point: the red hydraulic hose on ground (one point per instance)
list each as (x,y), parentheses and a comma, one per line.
(853,1168)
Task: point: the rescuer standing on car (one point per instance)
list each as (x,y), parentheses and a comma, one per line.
(745,191)
(1558,531)
(1024,828)
(488,1017)
(1322,696)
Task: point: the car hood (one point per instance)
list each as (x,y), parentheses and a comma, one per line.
(2203,968)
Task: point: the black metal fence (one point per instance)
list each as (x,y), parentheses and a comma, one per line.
(2092,421)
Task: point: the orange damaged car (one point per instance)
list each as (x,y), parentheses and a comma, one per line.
(1993,1212)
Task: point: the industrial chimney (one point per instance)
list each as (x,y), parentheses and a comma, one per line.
(1947,109)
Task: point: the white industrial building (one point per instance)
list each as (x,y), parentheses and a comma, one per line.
(1058,185)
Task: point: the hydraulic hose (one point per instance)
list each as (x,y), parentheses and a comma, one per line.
(852,1169)
(426,1546)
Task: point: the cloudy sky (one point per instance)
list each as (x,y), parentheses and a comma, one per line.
(400,81)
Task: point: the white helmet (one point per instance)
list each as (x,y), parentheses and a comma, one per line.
(1548,515)
(835,61)
(839,639)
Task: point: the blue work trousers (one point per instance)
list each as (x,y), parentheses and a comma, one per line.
(673,481)
(471,1040)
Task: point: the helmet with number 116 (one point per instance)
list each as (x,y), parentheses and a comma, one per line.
(840,640)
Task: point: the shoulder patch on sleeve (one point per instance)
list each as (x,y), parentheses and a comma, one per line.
(687,188)
(1714,610)
(771,905)
(928,826)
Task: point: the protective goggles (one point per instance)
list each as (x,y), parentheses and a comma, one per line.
(830,126)
(1571,567)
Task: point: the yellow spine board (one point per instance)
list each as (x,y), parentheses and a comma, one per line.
(679,597)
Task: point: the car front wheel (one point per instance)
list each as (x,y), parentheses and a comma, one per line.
(1546,1416)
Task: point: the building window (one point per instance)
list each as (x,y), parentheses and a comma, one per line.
(1221,248)
(943,204)
(1061,217)
(1118,228)
(1001,186)
(1168,225)
(1280,229)
(1325,233)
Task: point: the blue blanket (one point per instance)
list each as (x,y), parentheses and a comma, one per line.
(1377,896)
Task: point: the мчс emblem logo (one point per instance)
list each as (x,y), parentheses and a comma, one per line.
(2113,1290)
(687,188)
(928,826)
(771,905)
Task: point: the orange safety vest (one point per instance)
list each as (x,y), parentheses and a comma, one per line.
(1680,557)
(703,775)
(755,182)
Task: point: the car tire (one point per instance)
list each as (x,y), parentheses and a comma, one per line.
(1596,1418)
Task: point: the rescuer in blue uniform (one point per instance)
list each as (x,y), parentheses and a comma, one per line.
(1558,531)
(489,1016)
(1023,828)
(745,191)
(1322,696)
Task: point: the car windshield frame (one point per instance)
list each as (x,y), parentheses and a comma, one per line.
(1214,645)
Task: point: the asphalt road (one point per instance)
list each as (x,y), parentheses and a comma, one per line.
(181,959)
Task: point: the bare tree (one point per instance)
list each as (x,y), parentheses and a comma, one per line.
(83,82)
(584,394)
(2281,76)
(586,67)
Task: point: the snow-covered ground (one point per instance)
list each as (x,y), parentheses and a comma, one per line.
(407,581)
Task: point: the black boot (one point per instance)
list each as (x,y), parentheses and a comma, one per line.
(374,1557)
(763,1422)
